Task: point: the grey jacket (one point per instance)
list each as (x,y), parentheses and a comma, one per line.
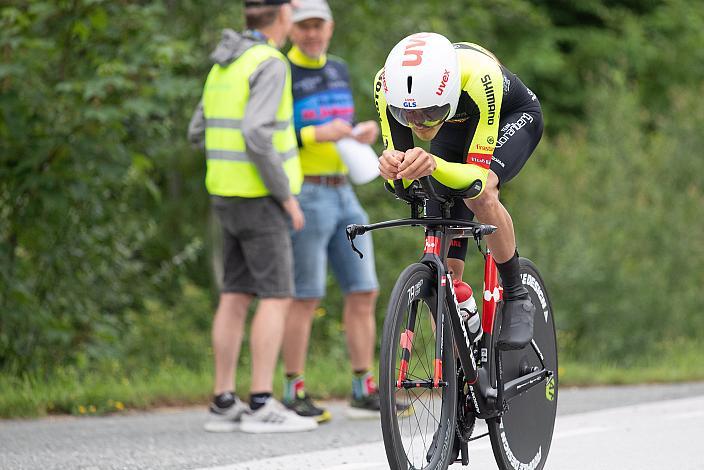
(266,87)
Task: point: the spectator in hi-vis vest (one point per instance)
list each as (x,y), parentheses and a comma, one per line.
(245,122)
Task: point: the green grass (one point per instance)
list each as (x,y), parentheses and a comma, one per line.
(110,390)
(679,361)
(68,391)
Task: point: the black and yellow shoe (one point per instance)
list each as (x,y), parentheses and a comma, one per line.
(303,406)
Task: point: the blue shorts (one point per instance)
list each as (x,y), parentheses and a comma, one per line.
(328,210)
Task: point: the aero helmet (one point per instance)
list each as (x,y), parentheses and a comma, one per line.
(422,80)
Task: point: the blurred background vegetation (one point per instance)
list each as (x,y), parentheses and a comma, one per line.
(106,284)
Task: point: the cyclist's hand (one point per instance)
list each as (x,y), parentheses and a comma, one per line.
(333,131)
(366,132)
(389,163)
(416,164)
(294,211)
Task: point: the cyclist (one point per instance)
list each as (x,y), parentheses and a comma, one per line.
(483,124)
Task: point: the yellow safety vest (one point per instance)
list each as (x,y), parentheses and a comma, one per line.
(229,170)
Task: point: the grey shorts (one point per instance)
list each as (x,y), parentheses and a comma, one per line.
(256,246)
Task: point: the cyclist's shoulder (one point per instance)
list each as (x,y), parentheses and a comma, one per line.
(470,51)
(474,59)
(475,64)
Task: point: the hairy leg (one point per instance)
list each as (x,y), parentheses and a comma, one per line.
(297,334)
(360,328)
(227,333)
(267,335)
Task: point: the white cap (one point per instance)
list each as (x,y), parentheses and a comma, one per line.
(308,9)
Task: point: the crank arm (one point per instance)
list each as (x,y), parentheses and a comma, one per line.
(524,383)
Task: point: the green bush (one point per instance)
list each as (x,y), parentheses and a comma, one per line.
(104,248)
(613,213)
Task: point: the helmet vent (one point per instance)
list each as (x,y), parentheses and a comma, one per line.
(410,83)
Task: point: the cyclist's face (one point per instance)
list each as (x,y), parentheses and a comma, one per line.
(426,133)
(312,36)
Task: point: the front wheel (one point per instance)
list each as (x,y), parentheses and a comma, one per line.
(418,423)
(521,438)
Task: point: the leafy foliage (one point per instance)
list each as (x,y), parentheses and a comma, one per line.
(104,238)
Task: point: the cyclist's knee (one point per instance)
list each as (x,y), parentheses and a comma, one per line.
(489,199)
(487,202)
(456,266)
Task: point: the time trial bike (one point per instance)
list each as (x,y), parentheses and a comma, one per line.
(450,375)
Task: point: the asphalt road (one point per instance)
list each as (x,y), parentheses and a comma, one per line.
(642,427)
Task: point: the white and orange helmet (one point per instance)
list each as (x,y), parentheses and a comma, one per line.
(422,80)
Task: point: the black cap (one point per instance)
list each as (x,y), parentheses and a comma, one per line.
(262,3)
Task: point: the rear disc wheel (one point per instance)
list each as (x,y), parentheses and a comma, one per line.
(521,438)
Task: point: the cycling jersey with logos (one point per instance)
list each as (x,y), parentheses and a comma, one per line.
(489,90)
(321,93)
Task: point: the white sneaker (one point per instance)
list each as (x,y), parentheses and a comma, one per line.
(275,417)
(225,419)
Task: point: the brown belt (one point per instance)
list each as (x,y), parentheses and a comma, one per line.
(326,180)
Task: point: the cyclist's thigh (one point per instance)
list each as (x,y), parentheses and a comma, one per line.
(519,134)
(353,274)
(310,244)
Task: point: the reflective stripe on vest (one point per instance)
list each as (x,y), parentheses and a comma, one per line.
(229,169)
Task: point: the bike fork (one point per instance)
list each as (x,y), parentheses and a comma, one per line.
(407,345)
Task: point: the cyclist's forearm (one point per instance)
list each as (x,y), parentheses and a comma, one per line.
(459,175)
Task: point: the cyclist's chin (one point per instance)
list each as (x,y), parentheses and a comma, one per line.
(426,133)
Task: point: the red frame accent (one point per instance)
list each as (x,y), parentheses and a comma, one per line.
(437,377)
(403,370)
(491,285)
(432,245)
(406,346)
(407,340)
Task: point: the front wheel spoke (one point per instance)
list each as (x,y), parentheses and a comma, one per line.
(418,399)
(426,408)
(422,435)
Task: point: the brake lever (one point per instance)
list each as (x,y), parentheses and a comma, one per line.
(352,232)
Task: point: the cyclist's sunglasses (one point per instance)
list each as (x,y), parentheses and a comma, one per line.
(424,117)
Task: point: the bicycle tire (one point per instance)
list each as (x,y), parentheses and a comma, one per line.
(521,438)
(397,451)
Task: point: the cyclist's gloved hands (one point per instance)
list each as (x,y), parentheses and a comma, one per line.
(389,163)
(416,164)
